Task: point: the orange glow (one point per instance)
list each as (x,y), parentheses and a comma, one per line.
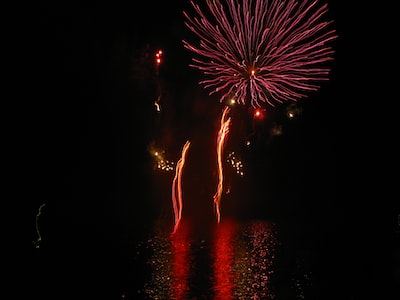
(222,135)
(158,57)
(177,188)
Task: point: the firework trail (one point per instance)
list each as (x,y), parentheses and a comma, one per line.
(221,139)
(39,238)
(177,188)
(261,52)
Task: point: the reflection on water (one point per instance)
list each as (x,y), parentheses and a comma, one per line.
(231,260)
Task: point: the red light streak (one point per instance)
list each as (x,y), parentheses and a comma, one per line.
(177,188)
(221,139)
(225,277)
(180,246)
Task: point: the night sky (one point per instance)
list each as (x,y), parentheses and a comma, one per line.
(89,120)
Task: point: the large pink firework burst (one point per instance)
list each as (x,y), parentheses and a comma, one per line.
(261,52)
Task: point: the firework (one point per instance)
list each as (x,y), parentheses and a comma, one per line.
(177,188)
(261,52)
(221,140)
(39,237)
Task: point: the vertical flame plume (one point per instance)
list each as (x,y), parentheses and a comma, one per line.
(221,139)
(177,188)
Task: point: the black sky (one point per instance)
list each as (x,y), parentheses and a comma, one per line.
(89,117)
(93,103)
(86,125)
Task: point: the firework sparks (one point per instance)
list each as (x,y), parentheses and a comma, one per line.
(177,188)
(261,52)
(221,139)
(235,163)
(162,164)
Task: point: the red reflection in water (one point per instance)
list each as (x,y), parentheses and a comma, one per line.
(242,262)
(224,277)
(180,248)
